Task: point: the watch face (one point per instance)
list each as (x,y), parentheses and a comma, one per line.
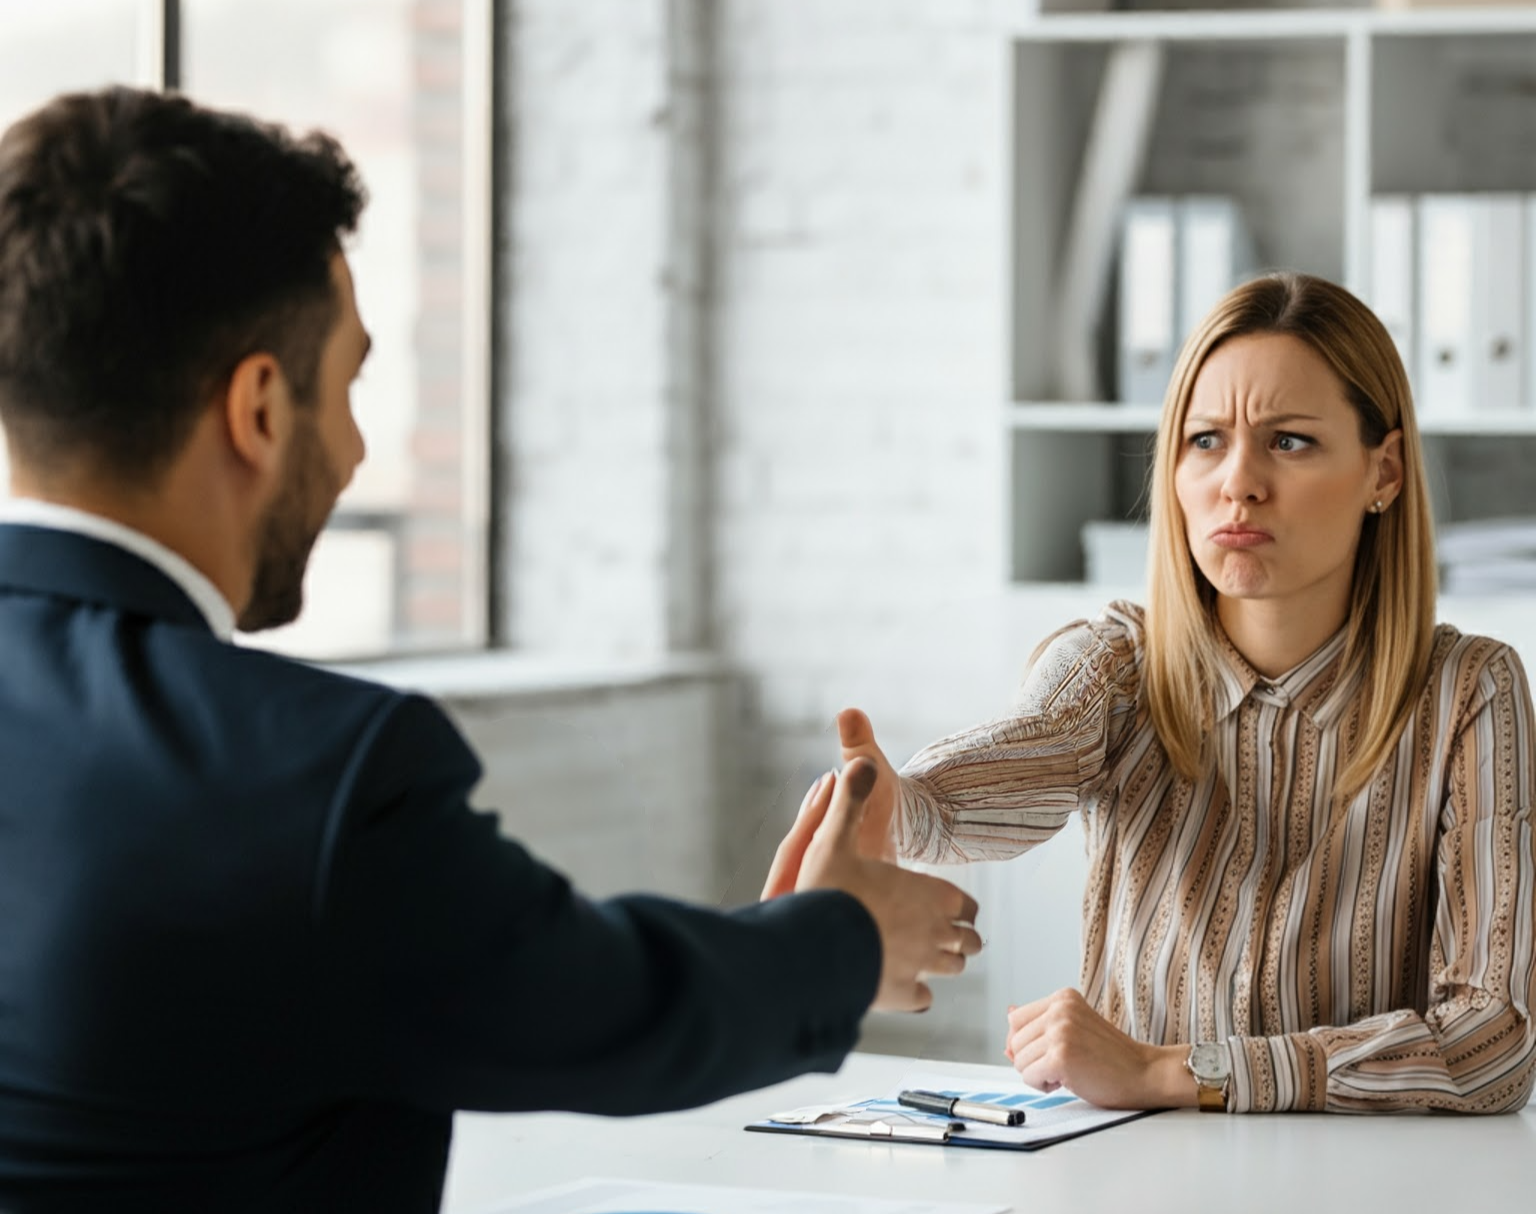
(1209,1063)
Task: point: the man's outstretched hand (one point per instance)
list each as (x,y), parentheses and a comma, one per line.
(925,923)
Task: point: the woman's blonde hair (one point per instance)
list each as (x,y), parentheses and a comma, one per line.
(1392,603)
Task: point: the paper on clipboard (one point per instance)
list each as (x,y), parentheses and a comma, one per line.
(1050,1116)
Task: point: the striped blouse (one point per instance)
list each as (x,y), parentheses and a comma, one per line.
(1369,956)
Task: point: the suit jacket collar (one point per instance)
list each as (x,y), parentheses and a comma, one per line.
(43,560)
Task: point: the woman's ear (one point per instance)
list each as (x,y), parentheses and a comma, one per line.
(258,414)
(1388,461)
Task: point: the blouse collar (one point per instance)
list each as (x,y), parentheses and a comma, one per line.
(1305,687)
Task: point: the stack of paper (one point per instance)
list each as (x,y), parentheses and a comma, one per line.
(1491,556)
(1115,553)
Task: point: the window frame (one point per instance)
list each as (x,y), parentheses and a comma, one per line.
(161,49)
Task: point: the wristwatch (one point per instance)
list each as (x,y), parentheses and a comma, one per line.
(1211,1065)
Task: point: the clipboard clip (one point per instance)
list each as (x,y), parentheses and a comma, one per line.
(906,1131)
(823,1119)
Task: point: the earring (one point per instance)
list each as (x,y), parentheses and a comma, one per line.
(1378,506)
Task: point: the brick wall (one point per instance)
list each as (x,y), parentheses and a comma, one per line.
(585,367)
(862,355)
(853,320)
(431,563)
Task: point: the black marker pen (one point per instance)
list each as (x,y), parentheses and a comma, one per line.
(956,1106)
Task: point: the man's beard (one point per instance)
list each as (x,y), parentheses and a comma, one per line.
(288,533)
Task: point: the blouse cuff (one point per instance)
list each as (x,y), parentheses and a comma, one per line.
(1278,1074)
(918,835)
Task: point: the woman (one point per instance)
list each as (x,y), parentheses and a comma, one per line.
(1308,808)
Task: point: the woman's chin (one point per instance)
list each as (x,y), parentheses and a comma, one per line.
(1242,576)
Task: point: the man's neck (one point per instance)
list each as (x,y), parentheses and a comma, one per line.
(55,516)
(173,513)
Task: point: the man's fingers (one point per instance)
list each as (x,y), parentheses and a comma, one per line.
(919,998)
(956,942)
(968,908)
(784,872)
(945,963)
(908,997)
(810,796)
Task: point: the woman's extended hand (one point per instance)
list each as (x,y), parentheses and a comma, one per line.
(877,832)
(1060,1041)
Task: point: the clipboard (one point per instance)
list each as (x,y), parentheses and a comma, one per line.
(1050,1117)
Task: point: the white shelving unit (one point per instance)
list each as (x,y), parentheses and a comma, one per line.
(1112,418)
(1301,115)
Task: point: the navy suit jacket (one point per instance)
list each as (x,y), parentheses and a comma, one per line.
(255,948)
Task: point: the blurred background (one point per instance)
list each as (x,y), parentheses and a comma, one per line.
(739,360)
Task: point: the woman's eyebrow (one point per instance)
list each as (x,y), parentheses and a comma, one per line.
(1277,419)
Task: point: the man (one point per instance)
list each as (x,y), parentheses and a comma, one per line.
(256,948)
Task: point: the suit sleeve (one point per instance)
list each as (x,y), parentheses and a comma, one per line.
(456,971)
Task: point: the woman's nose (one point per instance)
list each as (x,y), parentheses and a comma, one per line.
(1243,477)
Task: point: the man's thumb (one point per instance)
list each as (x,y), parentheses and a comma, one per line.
(847,808)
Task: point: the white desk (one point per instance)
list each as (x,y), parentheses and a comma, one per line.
(1295,1164)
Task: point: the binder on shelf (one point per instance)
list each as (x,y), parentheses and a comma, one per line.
(1472,330)
(1148,341)
(1444,378)
(1498,310)
(1391,281)
(1215,254)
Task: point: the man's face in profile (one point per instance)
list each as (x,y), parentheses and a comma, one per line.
(325,450)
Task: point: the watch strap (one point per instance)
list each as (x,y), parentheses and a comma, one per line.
(1212,1098)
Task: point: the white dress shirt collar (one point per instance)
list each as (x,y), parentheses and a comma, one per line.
(203,593)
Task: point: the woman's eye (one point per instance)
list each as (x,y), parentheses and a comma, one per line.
(1203,442)
(1292,442)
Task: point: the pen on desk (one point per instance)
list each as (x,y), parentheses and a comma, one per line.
(884,1129)
(956,1106)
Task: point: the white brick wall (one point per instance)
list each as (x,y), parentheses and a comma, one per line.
(585,341)
(858,354)
(863,354)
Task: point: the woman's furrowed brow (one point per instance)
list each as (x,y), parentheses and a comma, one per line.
(1276,419)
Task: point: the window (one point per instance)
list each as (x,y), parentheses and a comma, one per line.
(402,85)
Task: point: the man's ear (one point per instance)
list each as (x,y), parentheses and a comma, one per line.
(258,413)
(1389,467)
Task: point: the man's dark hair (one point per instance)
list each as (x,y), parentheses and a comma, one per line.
(147,246)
